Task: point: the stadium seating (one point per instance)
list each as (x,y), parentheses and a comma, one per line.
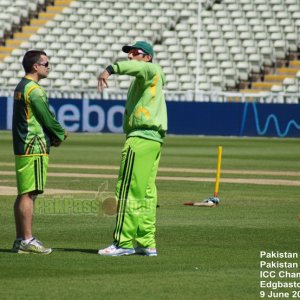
(238,41)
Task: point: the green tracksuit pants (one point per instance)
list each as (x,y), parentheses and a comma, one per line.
(136,193)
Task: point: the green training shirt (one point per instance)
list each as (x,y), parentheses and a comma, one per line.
(33,123)
(145,110)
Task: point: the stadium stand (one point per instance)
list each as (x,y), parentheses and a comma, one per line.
(245,45)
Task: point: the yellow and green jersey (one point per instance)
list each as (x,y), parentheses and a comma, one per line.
(145,110)
(33,123)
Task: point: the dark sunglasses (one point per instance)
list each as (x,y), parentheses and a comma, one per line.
(136,52)
(45,65)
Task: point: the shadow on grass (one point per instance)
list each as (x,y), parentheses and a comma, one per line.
(6,251)
(89,251)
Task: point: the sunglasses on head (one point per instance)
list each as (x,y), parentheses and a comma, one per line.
(136,52)
(45,64)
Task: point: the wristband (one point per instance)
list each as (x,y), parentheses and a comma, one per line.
(110,70)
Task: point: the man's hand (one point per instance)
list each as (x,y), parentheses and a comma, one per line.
(55,142)
(102,80)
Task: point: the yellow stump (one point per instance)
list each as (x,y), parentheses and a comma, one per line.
(216,192)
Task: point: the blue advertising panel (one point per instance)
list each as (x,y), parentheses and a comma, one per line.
(204,118)
(280,120)
(89,115)
(235,119)
(5,115)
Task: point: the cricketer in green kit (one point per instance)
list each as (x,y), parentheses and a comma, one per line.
(34,130)
(145,125)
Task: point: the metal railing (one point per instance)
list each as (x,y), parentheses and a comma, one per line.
(188,96)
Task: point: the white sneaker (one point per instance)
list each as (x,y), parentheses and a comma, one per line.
(146,251)
(34,246)
(115,251)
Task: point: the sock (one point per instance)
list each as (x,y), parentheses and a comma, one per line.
(27,241)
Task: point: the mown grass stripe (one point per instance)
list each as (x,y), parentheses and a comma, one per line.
(166,169)
(284,182)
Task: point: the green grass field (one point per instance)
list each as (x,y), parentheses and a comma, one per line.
(204,253)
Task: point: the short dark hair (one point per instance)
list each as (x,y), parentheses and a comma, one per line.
(30,58)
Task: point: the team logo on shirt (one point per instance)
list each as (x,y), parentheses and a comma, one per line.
(17,96)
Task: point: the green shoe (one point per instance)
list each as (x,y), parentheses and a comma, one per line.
(35,247)
(16,246)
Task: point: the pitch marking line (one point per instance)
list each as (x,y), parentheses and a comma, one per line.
(12,191)
(178,178)
(179,170)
